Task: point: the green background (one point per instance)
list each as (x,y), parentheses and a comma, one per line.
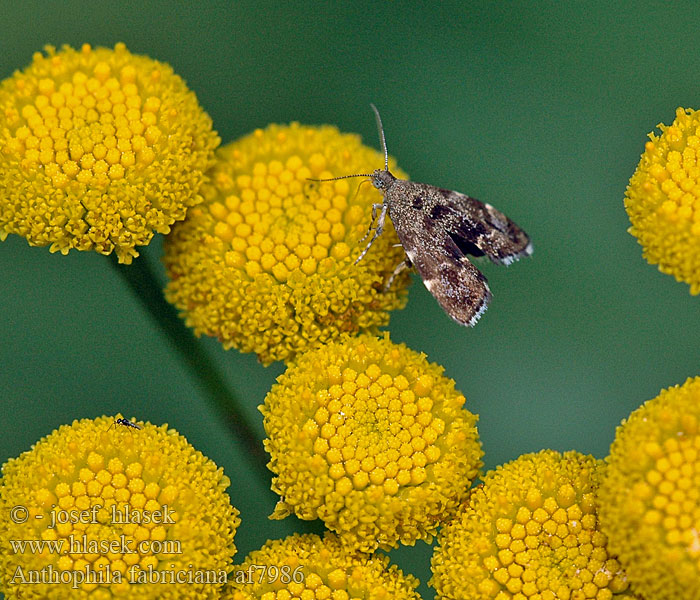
(541,109)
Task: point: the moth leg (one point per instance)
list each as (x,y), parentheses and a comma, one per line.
(377,232)
(375,207)
(402,266)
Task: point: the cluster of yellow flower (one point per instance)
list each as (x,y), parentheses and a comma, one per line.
(100,149)
(265,263)
(663,199)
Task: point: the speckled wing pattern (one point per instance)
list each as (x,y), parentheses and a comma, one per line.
(438,228)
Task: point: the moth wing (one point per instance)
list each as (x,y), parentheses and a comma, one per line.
(480,229)
(457,285)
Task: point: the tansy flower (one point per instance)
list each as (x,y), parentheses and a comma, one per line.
(663,199)
(266,264)
(650,495)
(370,437)
(98,485)
(308,567)
(99,149)
(530,532)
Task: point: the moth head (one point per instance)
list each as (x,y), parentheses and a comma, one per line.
(382,179)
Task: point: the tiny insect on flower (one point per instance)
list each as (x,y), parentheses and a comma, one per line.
(438,228)
(125,423)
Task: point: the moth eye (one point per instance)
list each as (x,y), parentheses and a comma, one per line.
(376,183)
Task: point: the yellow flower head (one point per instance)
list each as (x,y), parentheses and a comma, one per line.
(663,199)
(370,437)
(650,495)
(114,512)
(99,149)
(266,263)
(530,532)
(306,566)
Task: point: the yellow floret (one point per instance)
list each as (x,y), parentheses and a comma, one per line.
(99,150)
(650,495)
(530,532)
(360,440)
(124,501)
(663,199)
(314,568)
(266,264)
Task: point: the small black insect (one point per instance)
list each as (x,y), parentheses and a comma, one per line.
(438,228)
(125,423)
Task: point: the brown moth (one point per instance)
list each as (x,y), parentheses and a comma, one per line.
(438,229)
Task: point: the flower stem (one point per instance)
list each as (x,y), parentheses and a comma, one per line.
(140,277)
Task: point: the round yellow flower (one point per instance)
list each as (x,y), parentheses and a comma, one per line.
(370,437)
(266,264)
(99,149)
(650,495)
(530,532)
(306,566)
(108,510)
(663,199)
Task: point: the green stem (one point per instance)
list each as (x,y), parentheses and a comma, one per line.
(140,277)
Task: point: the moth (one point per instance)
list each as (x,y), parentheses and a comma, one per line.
(439,229)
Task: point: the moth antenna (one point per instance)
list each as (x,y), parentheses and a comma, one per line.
(341,177)
(382,139)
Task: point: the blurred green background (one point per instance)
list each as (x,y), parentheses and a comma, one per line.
(541,109)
